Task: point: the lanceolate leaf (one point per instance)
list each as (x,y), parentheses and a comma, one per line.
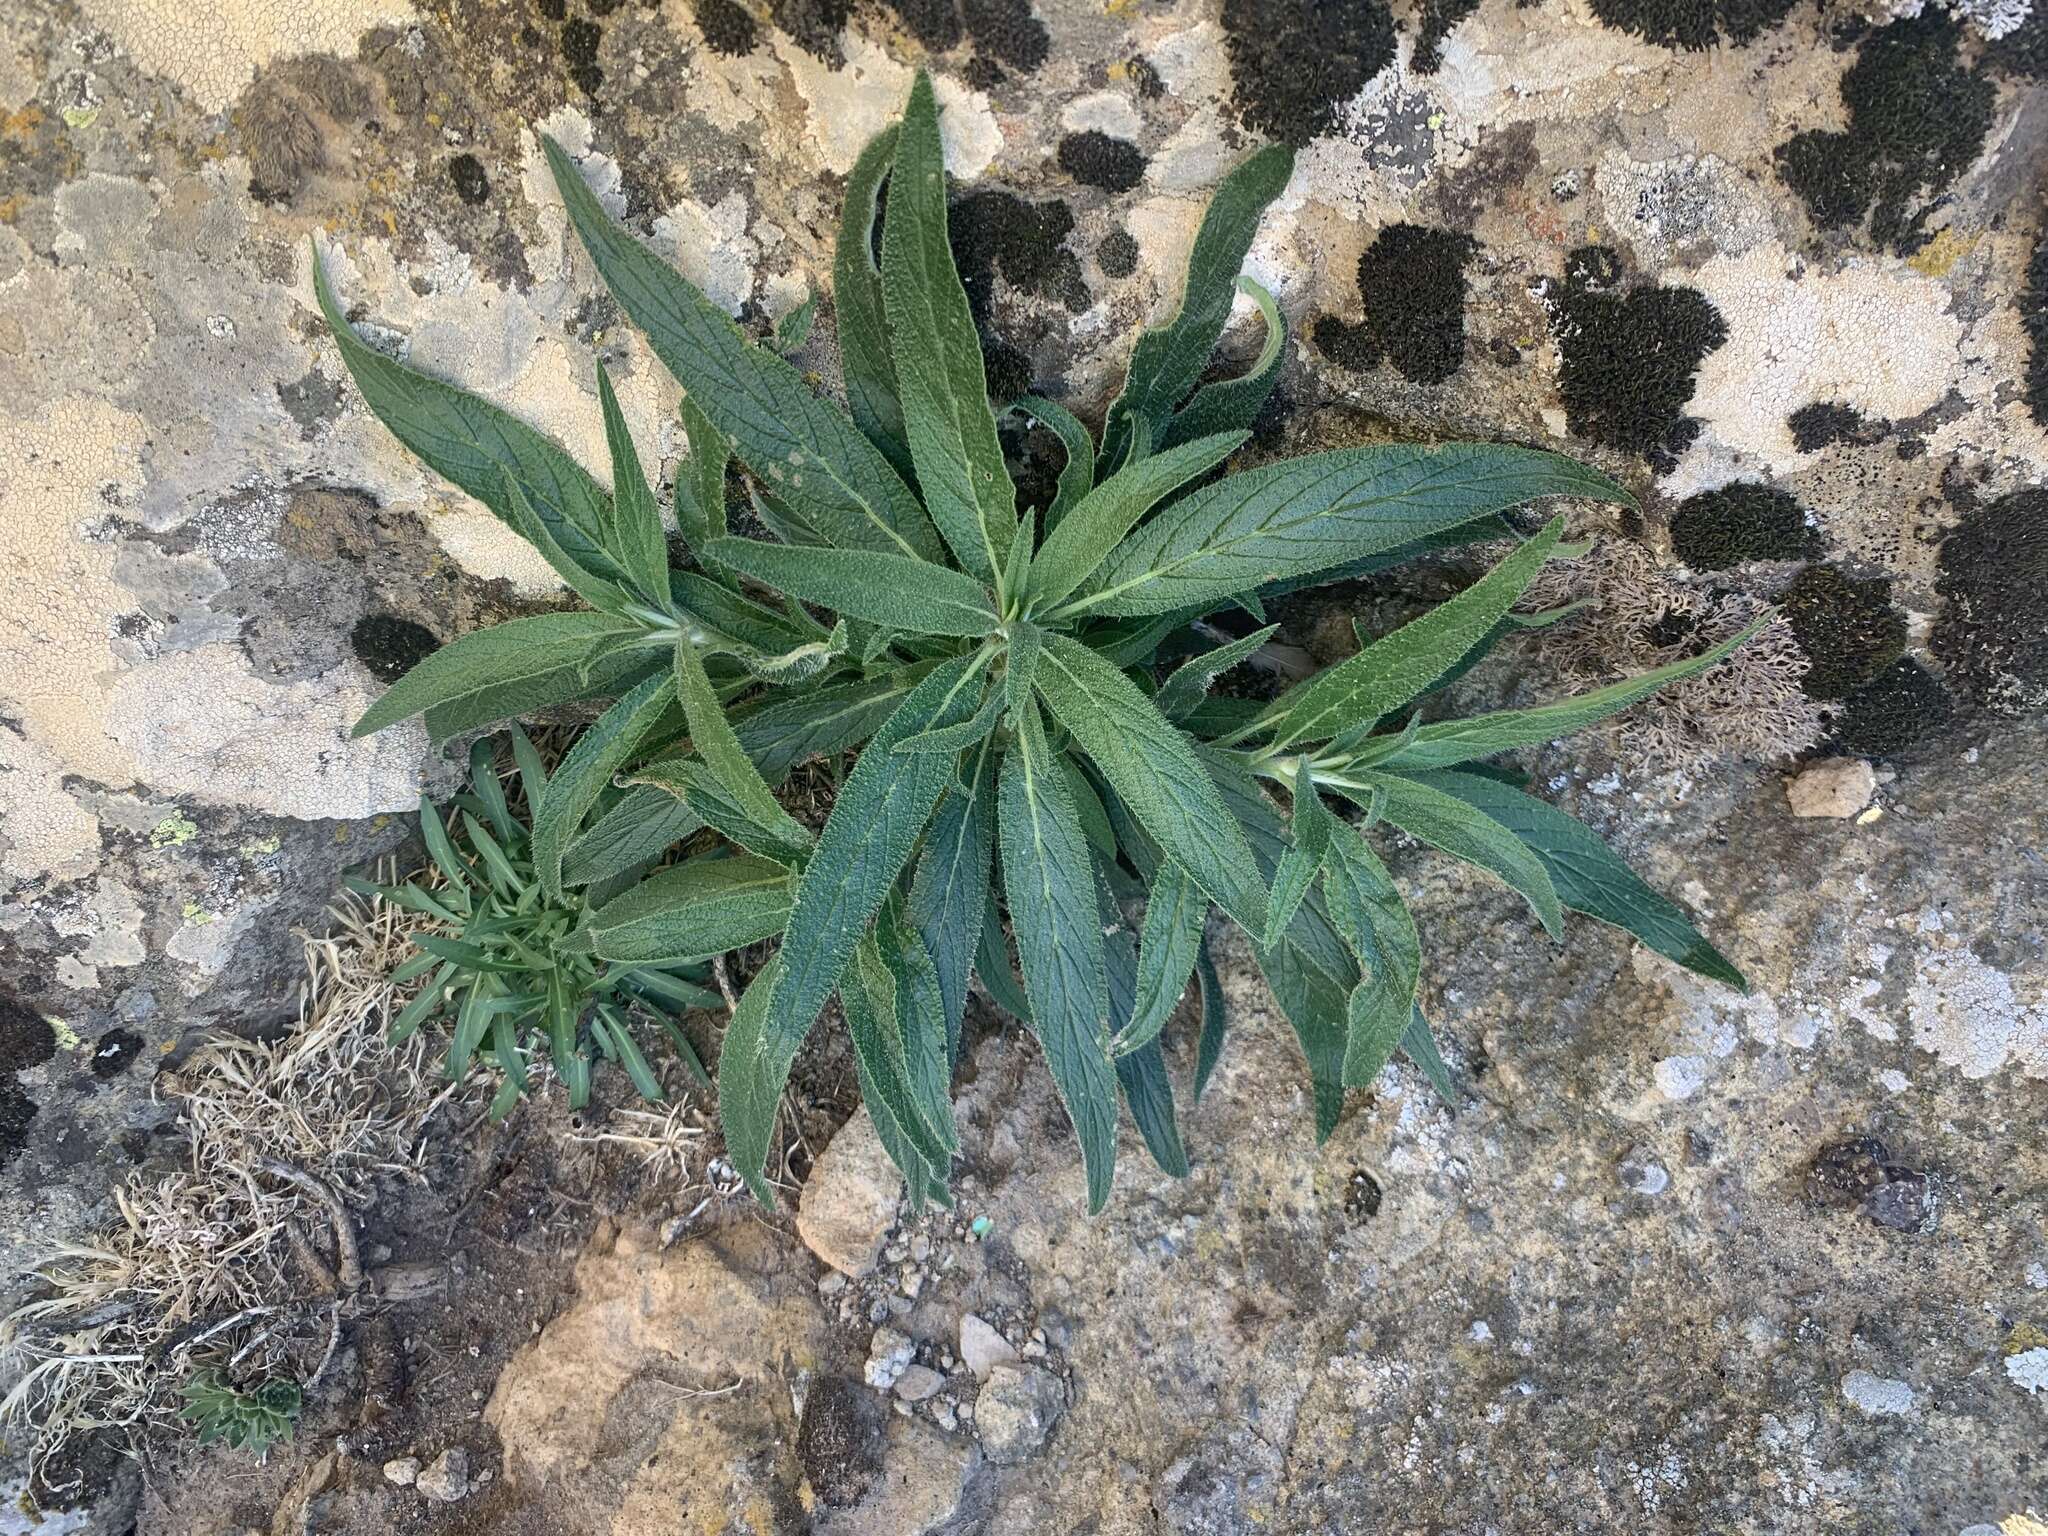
(1147,1089)
(1169,359)
(1448,823)
(472,443)
(1318,1007)
(1313,829)
(1419,1046)
(714,741)
(992,965)
(857,302)
(894,590)
(1394,669)
(1049,878)
(608,596)
(1091,530)
(921,1022)
(1233,404)
(1314,513)
(1168,946)
(749,1087)
(1189,685)
(940,375)
(1457,741)
(696,786)
(1589,877)
(950,893)
(700,482)
(691,911)
(874,826)
(520,655)
(804,447)
(1077,475)
(783,732)
(1152,767)
(1209,1049)
(867,995)
(638,542)
(954,739)
(582,776)
(1368,910)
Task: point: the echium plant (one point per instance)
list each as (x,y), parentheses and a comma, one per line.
(1018,754)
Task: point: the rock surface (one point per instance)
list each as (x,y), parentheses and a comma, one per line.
(1806,257)
(850,1199)
(1835,788)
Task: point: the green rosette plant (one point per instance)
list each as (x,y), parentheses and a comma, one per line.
(1019,756)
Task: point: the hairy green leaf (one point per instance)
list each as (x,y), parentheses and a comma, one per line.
(582,775)
(1589,876)
(1447,823)
(1077,474)
(1456,741)
(779,733)
(1313,828)
(1209,1049)
(894,590)
(715,742)
(1395,668)
(533,654)
(1049,879)
(1142,1076)
(709,799)
(472,443)
(638,543)
(940,375)
(1168,360)
(1087,534)
(857,302)
(749,1086)
(691,911)
(1168,946)
(1310,514)
(700,481)
(1230,405)
(1189,685)
(1318,1007)
(874,826)
(1375,921)
(805,447)
(949,894)
(1419,1046)
(1155,771)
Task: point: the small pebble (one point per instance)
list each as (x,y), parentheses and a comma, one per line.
(831,1283)
(920,1248)
(405,1471)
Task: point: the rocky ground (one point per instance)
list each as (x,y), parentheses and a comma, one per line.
(1678,1261)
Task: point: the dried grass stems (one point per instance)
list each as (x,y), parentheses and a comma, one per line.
(1750,708)
(245,1257)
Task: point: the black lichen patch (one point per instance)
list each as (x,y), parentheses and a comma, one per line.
(1825,423)
(839,1440)
(814,25)
(1294,63)
(1917,118)
(1096,160)
(580,39)
(26,1038)
(1413,282)
(1993,635)
(1847,627)
(999,231)
(1004,30)
(1903,706)
(1006,368)
(727,29)
(1438,18)
(1693,23)
(1630,358)
(1117,255)
(113,1051)
(2033,306)
(1145,77)
(1349,346)
(2024,50)
(390,646)
(1721,528)
(472,183)
(17,1112)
